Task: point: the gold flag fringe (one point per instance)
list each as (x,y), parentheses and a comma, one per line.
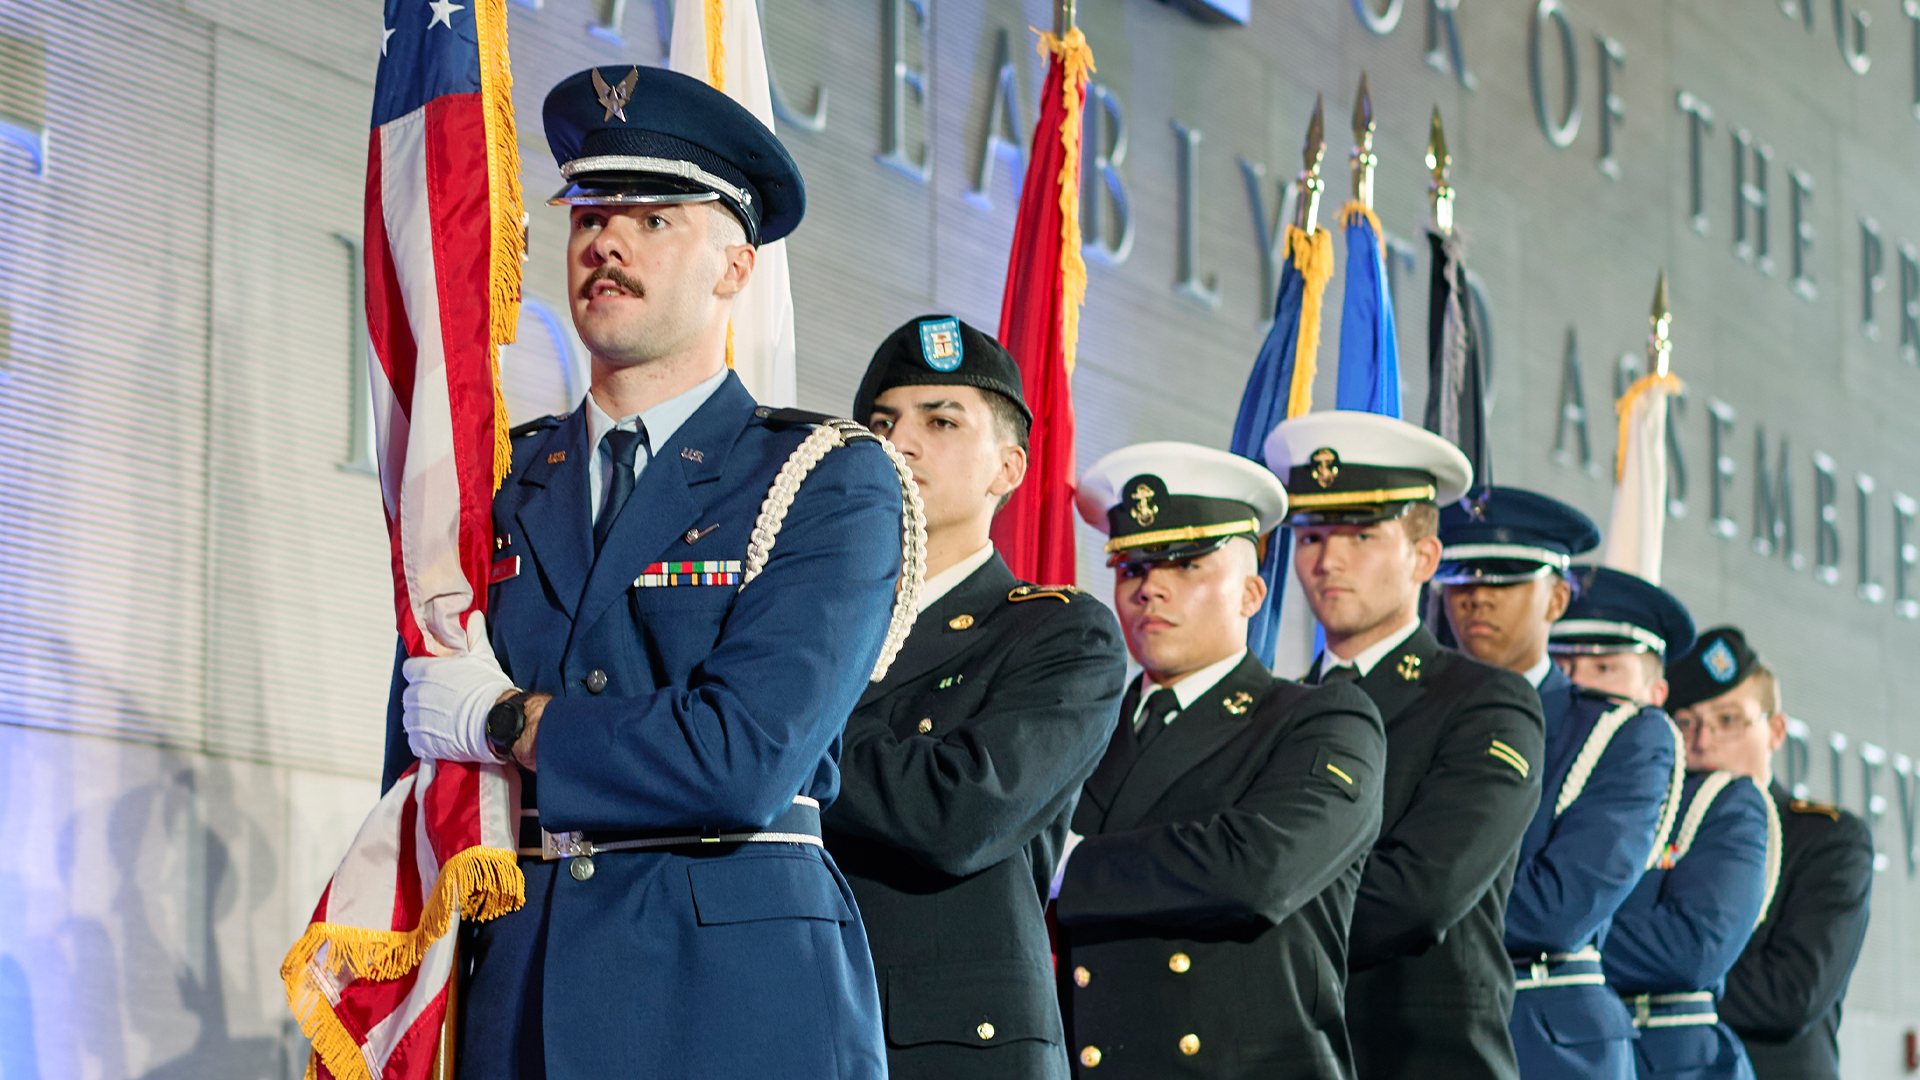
(1076,62)
(477,884)
(1624,408)
(1312,256)
(505,207)
(1359,209)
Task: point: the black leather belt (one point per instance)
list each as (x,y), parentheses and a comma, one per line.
(799,824)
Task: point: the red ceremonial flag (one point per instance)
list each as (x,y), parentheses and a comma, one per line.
(372,979)
(1040,320)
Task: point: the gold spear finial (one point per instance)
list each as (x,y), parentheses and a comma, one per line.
(1363,156)
(1438,163)
(1660,345)
(1309,181)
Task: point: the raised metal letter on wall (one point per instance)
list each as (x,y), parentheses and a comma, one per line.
(1187,274)
(1872,802)
(783,110)
(1699,123)
(1104,115)
(1572,418)
(1441,15)
(1382,23)
(1800,190)
(1873,276)
(359,458)
(1006,131)
(1909,304)
(1906,556)
(1560,132)
(1853,51)
(1826,520)
(1720,416)
(1750,194)
(1613,108)
(1269,234)
(1867,589)
(1906,782)
(1773,503)
(903,77)
(1798,751)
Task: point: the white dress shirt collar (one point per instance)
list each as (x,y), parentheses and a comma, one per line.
(1538,672)
(661,422)
(1372,654)
(1190,689)
(942,583)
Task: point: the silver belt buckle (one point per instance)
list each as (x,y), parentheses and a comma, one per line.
(564,845)
(1539,969)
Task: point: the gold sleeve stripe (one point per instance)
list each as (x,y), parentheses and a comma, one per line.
(1511,756)
(1336,770)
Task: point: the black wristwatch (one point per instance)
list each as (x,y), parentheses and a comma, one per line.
(506,722)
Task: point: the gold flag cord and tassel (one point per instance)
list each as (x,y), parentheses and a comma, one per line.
(1312,255)
(1076,65)
(506,209)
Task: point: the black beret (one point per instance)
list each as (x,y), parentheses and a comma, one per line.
(631,134)
(939,350)
(1719,661)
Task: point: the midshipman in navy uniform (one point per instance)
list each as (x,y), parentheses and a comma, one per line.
(1783,995)
(682,718)
(1431,984)
(960,769)
(1610,770)
(1204,898)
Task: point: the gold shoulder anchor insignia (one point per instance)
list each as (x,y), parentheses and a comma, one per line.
(1410,667)
(1143,509)
(615,98)
(1238,703)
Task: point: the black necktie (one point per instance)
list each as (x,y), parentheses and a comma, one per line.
(1343,673)
(1160,704)
(624,446)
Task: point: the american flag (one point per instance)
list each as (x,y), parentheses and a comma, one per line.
(371,979)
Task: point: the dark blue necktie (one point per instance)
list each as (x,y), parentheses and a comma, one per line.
(624,446)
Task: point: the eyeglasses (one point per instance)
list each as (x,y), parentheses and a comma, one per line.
(1724,726)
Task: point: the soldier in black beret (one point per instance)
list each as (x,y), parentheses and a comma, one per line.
(960,769)
(1783,995)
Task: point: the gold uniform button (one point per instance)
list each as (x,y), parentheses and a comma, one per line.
(1179,962)
(926,725)
(960,622)
(1189,1044)
(1089,1056)
(985,1031)
(1081,976)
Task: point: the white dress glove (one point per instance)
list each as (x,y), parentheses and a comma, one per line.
(448,697)
(1060,871)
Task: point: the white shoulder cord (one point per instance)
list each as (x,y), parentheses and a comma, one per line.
(1697,811)
(1589,757)
(1710,789)
(1775,849)
(913,539)
(1671,812)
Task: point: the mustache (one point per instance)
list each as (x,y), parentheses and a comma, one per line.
(627,282)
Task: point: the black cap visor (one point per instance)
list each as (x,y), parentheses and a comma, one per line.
(1151,554)
(1352,514)
(1492,572)
(646,189)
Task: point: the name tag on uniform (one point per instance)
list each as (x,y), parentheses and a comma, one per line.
(503,569)
(711,572)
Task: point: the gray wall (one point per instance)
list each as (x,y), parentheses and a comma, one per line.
(195,617)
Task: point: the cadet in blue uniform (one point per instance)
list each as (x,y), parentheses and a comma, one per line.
(1676,935)
(1431,984)
(1610,767)
(1204,914)
(679,687)
(960,770)
(1784,994)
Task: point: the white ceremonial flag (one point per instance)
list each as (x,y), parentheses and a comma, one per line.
(1635,533)
(762,330)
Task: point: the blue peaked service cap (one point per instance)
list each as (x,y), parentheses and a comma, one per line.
(1616,612)
(1510,535)
(632,135)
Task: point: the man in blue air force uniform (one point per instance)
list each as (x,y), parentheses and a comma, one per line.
(1431,985)
(960,769)
(1206,888)
(1676,935)
(684,722)
(1610,767)
(1784,993)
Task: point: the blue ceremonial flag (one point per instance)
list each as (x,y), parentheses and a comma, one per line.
(1369,352)
(1280,386)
